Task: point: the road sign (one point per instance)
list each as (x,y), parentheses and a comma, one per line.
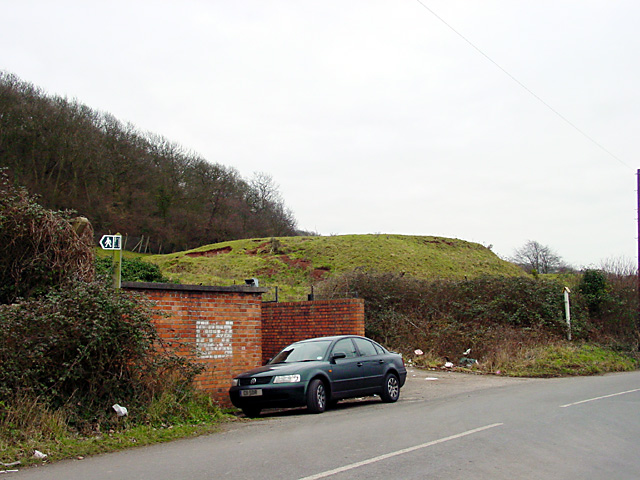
(111,242)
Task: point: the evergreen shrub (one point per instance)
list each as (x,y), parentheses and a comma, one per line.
(84,348)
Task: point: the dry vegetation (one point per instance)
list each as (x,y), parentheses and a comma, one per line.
(513,325)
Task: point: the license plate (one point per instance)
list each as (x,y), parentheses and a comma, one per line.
(256,392)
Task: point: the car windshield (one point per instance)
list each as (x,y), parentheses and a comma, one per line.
(303,352)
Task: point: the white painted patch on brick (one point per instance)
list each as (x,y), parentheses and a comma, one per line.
(214,340)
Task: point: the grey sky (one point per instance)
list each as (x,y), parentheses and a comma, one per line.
(374,116)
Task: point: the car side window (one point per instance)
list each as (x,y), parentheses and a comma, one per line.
(365,347)
(345,346)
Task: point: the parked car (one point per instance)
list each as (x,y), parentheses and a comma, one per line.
(318,372)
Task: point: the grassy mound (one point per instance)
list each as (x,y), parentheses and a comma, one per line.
(295,264)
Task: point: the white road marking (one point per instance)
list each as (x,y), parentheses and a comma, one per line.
(599,398)
(398,452)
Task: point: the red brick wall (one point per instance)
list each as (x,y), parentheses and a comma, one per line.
(218,327)
(284,323)
(229,329)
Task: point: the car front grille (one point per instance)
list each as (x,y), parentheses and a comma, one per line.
(258,381)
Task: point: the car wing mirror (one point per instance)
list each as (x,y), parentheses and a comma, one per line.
(338,355)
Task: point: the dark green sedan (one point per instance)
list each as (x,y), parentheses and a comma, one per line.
(318,372)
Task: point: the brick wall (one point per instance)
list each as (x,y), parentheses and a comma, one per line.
(229,329)
(284,323)
(218,327)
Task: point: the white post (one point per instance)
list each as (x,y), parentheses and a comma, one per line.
(567,311)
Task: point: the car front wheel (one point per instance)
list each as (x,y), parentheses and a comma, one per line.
(391,389)
(316,396)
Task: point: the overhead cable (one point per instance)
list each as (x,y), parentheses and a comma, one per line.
(527,89)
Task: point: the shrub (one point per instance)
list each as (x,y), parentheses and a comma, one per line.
(593,287)
(518,301)
(614,308)
(133,270)
(495,316)
(40,249)
(84,348)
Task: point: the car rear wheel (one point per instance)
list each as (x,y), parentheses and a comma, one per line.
(251,412)
(391,389)
(316,396)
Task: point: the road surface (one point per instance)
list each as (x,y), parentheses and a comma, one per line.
(445,426)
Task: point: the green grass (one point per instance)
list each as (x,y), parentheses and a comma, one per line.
(74,446)
(294,264)
(28,425)
(100,253)
(567,360)
(544,361)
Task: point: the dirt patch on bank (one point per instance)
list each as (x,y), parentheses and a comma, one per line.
(210,253)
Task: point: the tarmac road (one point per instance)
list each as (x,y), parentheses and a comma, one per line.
(456,426)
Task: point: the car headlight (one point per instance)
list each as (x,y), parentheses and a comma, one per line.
(286,378)
(235,382)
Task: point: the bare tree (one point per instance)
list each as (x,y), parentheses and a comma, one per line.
(264,197)
(263,191)
(619,266)
(533,256)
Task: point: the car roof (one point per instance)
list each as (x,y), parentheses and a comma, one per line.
(332,338)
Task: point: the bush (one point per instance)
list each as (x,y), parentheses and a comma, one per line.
(612,302)
(134,270)
(40,249)
(494,316)
(593,287)
(84,348)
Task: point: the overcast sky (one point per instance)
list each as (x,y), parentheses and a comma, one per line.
(376,116)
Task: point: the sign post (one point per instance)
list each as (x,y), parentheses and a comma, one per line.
(114,242)
(567,311)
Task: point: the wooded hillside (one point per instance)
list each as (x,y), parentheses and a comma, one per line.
(127,181)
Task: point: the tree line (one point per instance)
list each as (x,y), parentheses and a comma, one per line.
(128,181)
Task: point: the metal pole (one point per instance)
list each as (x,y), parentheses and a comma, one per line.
(638,272)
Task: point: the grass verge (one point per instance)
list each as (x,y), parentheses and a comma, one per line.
(560,360)
(548,360)
(26,426)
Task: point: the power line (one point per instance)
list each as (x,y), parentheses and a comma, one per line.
(527,89)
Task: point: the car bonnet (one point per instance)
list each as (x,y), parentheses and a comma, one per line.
(276,369)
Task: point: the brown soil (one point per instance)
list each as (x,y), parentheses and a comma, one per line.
(210,253)
(295,263)
(259,249)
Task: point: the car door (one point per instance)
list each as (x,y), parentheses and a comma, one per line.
(374,365)
(347,373)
